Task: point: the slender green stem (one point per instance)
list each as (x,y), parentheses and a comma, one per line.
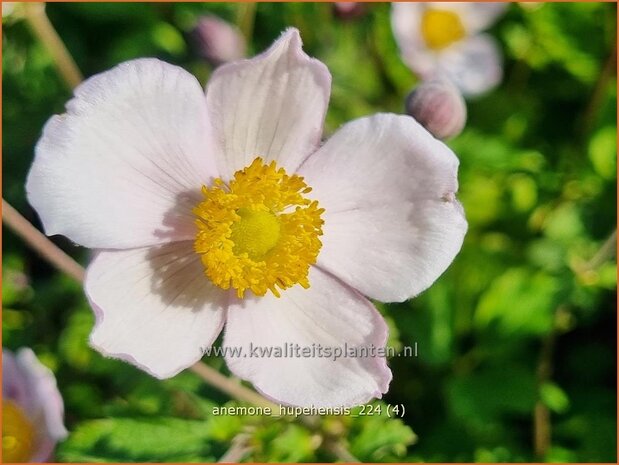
(606,252)
(542,432)
(44,30)
(245,18)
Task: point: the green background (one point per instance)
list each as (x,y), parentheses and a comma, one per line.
(524,319)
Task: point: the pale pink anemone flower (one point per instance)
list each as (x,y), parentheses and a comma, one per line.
(32,409)
(444,39)
(123,172)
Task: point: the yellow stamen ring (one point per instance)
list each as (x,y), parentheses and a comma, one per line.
(17,434)
(441,28)
(258,232)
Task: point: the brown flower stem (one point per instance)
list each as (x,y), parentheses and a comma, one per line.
(229,386)
(340,451)
(542,427)
(245,17)
(44,30)
(606,252)
(39,242)
(241,446)
(541,414)
(601,87)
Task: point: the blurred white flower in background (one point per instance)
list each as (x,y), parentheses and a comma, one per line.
(32,409)
(445,39)
(349,10)
(7,8)
(11,11)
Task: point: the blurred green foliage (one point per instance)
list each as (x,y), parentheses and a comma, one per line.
(525,316)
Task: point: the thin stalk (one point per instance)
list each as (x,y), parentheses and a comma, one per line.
(39,242)
(245,17)
(606,252)
(241,446)
(542,425)
(340,451)
(600,89)
(542,432)
(229,386)
(44,31)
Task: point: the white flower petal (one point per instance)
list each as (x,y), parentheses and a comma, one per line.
(14,386)
(19,387)
(406,20)
(121,168)
(154,307)
(475,16)
(7,9)
(45,396)
(392,224)
(474,65)
(45,408)
(329,314)
(272,106)
(32,387)
(406,25)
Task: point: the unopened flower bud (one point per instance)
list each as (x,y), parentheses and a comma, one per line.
(439,107)
(348,10)
(218,41)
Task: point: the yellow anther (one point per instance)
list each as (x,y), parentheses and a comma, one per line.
(258,232)
(441,28)
(17,434)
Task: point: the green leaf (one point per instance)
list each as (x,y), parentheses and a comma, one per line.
(564,223)
(483,398)
(168,38)
(376,438)
(294,444)
(554,397)
(557,454)
(519,302)
(603,152)
(137,440)
(73,343)
(431,327)
(524,192)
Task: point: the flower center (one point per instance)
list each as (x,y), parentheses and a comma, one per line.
(17,434)
(258,232)
(441,28)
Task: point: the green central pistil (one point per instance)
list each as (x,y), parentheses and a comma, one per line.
(256,233)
